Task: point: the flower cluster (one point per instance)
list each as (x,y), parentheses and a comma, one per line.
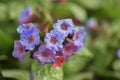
(58,44)
(29,38)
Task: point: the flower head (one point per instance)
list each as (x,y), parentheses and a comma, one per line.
(23,27)
(54,39)
(44,55)
(30,38)
(25,15)
(79,37)
(19,51)
(65,26)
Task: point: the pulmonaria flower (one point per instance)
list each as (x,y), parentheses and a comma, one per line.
(59,61)
(92,24)
(25,15)
(70,49)
(30,38)
(54,39)
(65,26)
(19,51)
(23,27)
(44,55)
(118,53)
(79,37)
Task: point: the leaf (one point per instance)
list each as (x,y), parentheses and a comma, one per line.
(77,62)
(91,4)
(46,72)
(14,12)
(17,74)
(85,52)
(60,11)
(5,41)
(116,65)
(81,76)
(78,12)
(3,12)
(1,76)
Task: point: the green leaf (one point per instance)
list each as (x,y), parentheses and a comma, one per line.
(91,4)
(14,12)
(60,11)
(78,11)
(17,74)
(1,76)
(77,62)
(46,72)
(81,76)
(85,52)
(116,65)
(5,41)
(3,12)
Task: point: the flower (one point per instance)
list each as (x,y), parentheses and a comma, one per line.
(65,26)
(54,39)
(44,55)
(19,50)
(92,24)
(30,38)
(23,27)
(70,49)
(59,61)
(118,53)
(25,15)
(79,37)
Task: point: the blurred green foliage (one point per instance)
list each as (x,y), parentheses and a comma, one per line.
(97,61)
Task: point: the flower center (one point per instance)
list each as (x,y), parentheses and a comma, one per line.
(21,49)
(64,26)
(68,48)
(31,39)
(53,40)
(45,54)
(27,27)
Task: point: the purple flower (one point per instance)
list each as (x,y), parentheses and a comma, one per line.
(44,55)
(25,15)
(23,27)
(54,39)
(118,53)
(70,49)
(65,26)
(79,37)
(92,24)
(30,38)
(19,51)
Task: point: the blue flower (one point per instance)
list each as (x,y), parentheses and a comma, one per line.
(25,15)
(65,26)
(92,24)
(30,38)
(19,51)
(44,55)
(118,53)
(54,39)
(23,27)
(79,37)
